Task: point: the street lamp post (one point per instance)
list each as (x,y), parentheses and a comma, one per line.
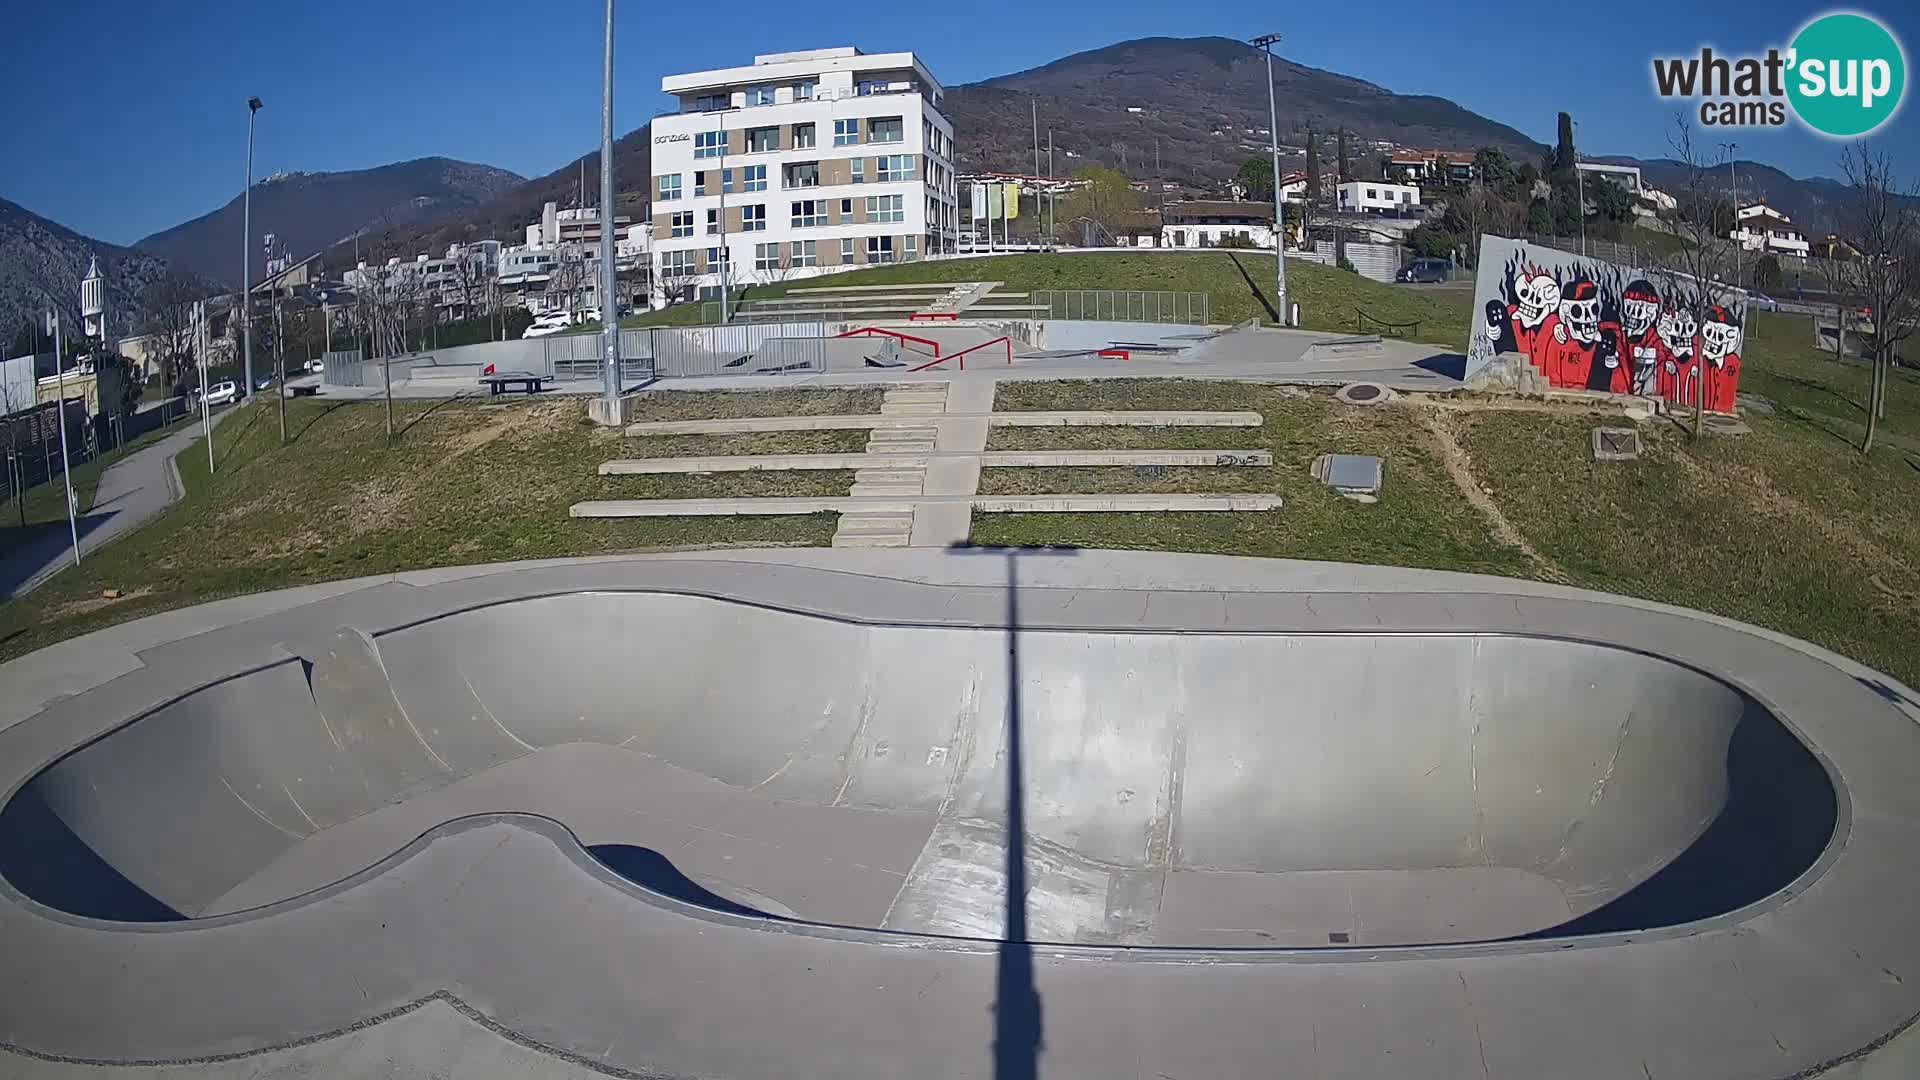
(246,257)
(609,274)
(60,417)
(1733,194)
(1265,43)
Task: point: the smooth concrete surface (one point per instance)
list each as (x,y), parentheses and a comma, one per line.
(1194,749)
(1003,459)
(907,501)
(1037,418)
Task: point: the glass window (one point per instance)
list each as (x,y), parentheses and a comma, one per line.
(880,249)
(712,102)
(896,167)
(869,87)
(709,144)
(719,256)
(670,187)
(883,129)
(753,178)
(846,209)
(803,91)
(859,170)
(804,252)
(846,132)
(726,180)
(683,223)
(760,95)
(713,222)
(846,249)
(763,140)
(699,184)
(912,250)
(806,174)
(676,262)
(753,218)
(809,213)
(802,136)
(766,256)
(886,208)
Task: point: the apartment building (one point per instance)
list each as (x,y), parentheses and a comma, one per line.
(1762,228)
(799,164)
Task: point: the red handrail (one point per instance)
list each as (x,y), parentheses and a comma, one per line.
(962,354)
(872,330)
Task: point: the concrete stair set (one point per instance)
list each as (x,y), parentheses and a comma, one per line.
(890,527)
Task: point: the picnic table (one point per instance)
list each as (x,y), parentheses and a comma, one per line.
(498,381)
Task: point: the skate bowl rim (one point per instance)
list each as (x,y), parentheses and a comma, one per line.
(1809,714)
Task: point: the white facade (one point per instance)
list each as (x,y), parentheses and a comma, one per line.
(1375,197)
(799,164)
(1762,228)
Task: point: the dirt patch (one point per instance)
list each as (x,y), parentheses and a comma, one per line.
(1440,425)
(491,424)
(377,503)
(94,603)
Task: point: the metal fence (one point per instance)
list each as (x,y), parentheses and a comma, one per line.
(1115,305)
(738,349)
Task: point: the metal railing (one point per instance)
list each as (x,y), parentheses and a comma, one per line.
(1364,323)
(1114,305)
(739,349)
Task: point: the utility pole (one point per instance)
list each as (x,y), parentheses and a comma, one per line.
(60,417)
(206,413)
(280,362)
(1035,102)
(720,178)
(1053,190)
(246,257)
(1733,194)
(1265,43)
(609,274)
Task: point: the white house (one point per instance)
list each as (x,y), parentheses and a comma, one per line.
(1375,197)
(1762,228)
(1211,222)
(798,164)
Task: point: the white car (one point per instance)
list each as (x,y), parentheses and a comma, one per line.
(551,323)
(316,366)
(222,393)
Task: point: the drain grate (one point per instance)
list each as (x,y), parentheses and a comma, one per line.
(1339,937)
(1150,472)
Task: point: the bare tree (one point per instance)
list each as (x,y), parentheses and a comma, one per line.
(1694,272)
(674,282)
(1881,222)
(1837,276)
(167,319)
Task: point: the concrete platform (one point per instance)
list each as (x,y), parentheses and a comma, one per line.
(1004,459)
(931,813)
(905,502)
(1070,418)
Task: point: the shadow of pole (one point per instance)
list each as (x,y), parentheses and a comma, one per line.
(1254,288)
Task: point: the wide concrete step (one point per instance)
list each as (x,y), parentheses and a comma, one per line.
(999,504)
(886,464)
(912,408)
(915,393)
(873,540)
(876,523)
(881,422)
(762,463)
(908,490)
(915,477)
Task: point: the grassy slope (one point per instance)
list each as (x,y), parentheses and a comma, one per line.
(1327,297)
(465,483)
(46,503)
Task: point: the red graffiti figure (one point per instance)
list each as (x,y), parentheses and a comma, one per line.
(1529,321)
(1576,337)
(1720,358)
(1638,349)
(1675,380)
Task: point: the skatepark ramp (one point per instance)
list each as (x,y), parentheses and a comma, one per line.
(1195,789)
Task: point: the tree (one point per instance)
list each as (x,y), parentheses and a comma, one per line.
(1313,188)
(1564,157)
(1344,171)
(1766,273)
(1881,221)
(1539,218)
(1492,167)
(1256,176)
(1104,199)
(1430,241)
(1695,271)
(167,318)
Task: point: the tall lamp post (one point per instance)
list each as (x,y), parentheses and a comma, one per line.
(1265,43)
(246,257)
(609,274)
(1733,194)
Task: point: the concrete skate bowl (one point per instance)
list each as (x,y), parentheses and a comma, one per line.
(1238,791)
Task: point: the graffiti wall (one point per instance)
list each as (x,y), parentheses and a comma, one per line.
(1592,325)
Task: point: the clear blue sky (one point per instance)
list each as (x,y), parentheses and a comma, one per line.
(154,132)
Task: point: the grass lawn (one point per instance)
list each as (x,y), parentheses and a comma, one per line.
(1237,283)
(1781,364)
(465,482)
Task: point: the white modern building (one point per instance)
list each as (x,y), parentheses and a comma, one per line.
(799,164)
(1217,223)
(1375,197)
(1762,228)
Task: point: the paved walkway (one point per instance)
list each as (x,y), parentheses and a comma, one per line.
(131,491)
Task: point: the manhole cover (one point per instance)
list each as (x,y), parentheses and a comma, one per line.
(1363,393)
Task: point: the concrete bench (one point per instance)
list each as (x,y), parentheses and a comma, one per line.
(498,381)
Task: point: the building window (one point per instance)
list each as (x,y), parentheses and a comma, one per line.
(803,136)
(720,257)
(670,187)
(859,170)
(870,87)
(809,213)
(803,91)
(683,224)
(913,249)
(753,218)
(886,208)
(883,129)
(763,140)
(726,180)
(712,102)
(846,132)
(753,178)
(880,249)
(699,184)
(806,174)
(713,222)
(676,262)
(759,95)
(846,210)
(709,144)
(766,257)
(896,167)
(804,252)
(846,249)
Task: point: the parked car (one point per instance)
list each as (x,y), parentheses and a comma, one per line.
(316,366)
(551,323)
(223,393)
(1425,270)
